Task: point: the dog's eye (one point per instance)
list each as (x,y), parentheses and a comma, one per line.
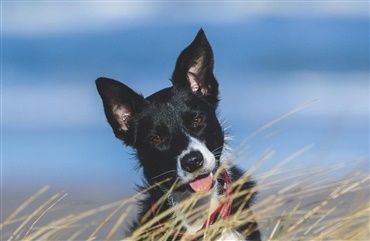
(198,120)
(156,139)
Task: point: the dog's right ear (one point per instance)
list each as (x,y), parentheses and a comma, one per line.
(120,106)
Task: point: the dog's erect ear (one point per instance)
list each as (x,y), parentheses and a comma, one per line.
(194,69)
(120,105)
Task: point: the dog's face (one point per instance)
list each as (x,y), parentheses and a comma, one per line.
(175,131)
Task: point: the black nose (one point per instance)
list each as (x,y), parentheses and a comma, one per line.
(192,161)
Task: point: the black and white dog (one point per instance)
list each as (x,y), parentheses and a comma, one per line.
(177,137)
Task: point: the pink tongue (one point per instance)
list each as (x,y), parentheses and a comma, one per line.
(202,185)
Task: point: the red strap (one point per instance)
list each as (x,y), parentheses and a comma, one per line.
(224,208)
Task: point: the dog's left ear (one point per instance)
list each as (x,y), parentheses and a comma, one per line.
(194,69)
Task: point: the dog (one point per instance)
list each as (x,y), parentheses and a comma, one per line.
(180,146)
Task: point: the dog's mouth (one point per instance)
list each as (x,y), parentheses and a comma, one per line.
(202,183)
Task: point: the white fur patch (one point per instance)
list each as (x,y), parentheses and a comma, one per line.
(207,205)
(229,235)
(208,158)
(210,202)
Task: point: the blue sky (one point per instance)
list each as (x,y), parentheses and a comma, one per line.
(271,58)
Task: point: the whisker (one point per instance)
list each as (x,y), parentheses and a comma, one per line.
(217,149)
(216,152)
(162,174)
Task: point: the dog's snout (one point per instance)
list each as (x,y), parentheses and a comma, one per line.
(192,161)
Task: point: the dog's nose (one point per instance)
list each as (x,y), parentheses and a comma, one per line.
(192,161)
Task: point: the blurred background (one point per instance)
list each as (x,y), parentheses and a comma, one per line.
(270,59)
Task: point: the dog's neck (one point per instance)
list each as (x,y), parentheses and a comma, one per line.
(194,219)
(205,205)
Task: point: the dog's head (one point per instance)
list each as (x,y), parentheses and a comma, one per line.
(175,131)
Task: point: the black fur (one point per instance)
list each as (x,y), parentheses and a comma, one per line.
(164,127)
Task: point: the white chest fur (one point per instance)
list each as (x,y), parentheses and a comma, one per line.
(193,226)
(229,235)
(204,206)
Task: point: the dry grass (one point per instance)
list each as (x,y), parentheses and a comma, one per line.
(296,205)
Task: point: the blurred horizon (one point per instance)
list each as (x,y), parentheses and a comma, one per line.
(270,58)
